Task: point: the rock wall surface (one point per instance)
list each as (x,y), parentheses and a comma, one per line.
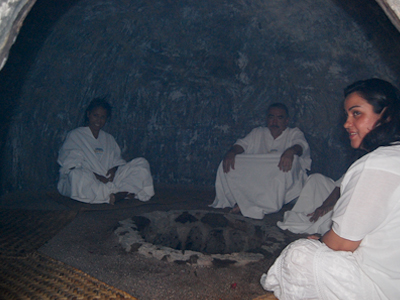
(187,78)
(392,10)
(12,16)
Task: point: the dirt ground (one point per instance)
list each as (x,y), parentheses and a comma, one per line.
(89,244)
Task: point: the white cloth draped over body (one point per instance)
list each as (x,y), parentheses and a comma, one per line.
(316,189)
(256,184)
(368,210)
(82,155)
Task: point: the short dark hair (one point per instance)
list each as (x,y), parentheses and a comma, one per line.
(384,98)
(280,106)
(95,103)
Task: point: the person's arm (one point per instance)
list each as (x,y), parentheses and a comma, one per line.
(229,158)
(71,155)
(287,157)
(326,206)
(368,194)
(110,175)
(337,243)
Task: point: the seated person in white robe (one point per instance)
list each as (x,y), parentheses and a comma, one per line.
(312,212)
(91,167)
(359,257)
(264,170)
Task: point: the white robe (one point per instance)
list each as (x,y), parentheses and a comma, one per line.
(82,155)
(368,210)
(316,189)
(256,184)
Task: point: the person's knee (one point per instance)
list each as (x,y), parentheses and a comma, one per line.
(142,161)
(315,178)
(81,175)
(304,246)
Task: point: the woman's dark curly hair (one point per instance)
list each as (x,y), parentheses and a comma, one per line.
(95,103)
(385,99)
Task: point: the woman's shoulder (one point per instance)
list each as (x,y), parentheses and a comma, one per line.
(383,158)
(386,152)
(107,137)
(78,131)
(106,134)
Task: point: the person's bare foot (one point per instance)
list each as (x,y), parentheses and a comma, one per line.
(235,210)
(121,196)
(112,199)
(130,196)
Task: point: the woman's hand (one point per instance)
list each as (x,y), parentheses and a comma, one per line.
(111,174)
(101,178)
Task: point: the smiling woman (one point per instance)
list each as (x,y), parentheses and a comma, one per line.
(361,118)
(357,258)
(92,169)
(97,114)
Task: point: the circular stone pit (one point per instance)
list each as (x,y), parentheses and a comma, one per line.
(200,238)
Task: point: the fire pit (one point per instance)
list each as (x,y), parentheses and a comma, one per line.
(199,237)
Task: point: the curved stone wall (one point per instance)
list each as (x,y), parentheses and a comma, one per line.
(187,78)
